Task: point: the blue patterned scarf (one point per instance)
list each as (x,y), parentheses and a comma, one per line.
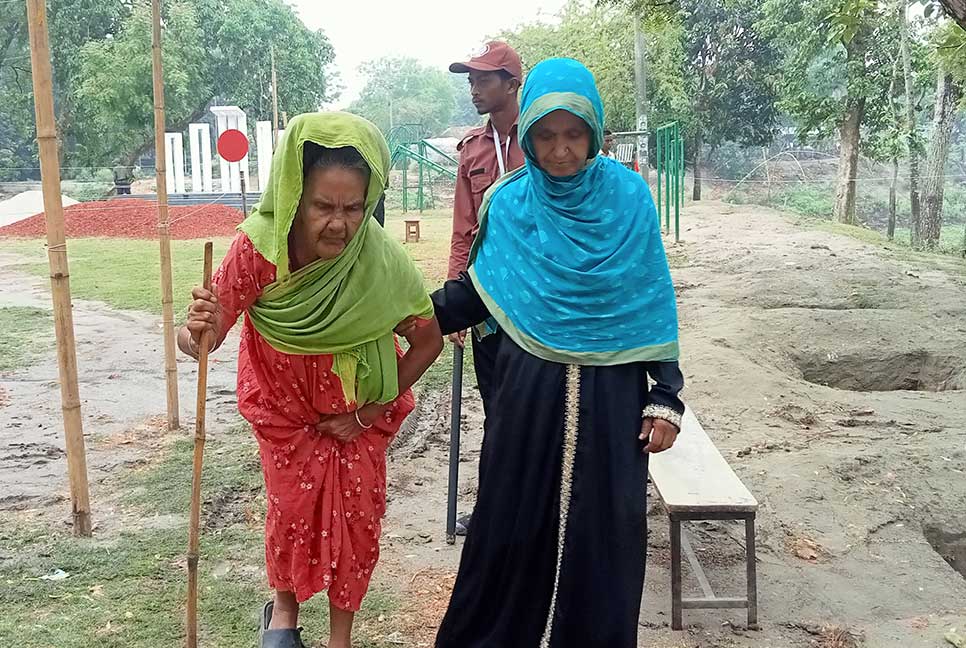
(574,269)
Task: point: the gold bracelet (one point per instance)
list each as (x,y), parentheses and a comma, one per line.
(195,348)
(361,424)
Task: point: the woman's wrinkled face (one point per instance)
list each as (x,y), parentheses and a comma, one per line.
(561,143)
(331,211)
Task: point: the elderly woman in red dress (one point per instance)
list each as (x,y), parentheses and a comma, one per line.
(320,375)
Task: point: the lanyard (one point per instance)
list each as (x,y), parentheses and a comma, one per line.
(499,150)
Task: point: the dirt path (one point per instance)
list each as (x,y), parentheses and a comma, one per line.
(830,374)
(862,470)
(121,363)
(857,478)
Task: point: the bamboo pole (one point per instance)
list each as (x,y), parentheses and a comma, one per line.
(59,272)
(274,102)
(164,230)
(194,521)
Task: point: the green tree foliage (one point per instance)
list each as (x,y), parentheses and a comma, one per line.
(837,67)
(239,71)
(71,24)
(834,52)
(730,70)
(707,66)
(215,51)
(415,94)
(602,38)
(113,83)
(949,39)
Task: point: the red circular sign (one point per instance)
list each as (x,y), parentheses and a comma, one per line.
(233,145)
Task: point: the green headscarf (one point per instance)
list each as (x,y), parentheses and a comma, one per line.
(346,306)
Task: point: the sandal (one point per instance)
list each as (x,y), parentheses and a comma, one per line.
(286,638)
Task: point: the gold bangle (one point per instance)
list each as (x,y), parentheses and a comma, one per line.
(196,348)
(361,424)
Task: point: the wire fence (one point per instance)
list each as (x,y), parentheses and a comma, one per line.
(804,182)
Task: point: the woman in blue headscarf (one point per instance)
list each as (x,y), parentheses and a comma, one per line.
(570,273)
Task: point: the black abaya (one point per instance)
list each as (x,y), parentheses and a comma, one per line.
(554,434)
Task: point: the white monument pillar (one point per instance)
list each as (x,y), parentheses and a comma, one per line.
(243,165)
(199,139)
(263,142)
(174,161)
(231,117)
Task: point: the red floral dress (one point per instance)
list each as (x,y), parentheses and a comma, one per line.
(326,499)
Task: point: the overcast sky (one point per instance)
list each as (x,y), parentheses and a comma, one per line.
(437,32)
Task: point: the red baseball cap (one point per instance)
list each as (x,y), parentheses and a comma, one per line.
(493,56)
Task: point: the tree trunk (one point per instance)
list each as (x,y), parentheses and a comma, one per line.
(891,228)
(891,231)
(14,34)
(912,132)
(956,10)
(948,93)
(849,138)
(698,145)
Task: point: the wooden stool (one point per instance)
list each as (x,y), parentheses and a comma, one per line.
(412,230)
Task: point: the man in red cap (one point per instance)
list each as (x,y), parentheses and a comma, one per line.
(486,153)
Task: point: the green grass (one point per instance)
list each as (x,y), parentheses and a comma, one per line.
(165,487)
(816,202)
(24,332)
(431,254)
(945,262)
(124,273)
(128,590)
(857,232)
(950,239)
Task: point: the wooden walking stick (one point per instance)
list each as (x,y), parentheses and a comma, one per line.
(199,453)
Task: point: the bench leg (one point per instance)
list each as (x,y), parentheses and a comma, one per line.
(752,573)
(676,593)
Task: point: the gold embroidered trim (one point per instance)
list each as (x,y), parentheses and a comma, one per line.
(662,412)
(571,427)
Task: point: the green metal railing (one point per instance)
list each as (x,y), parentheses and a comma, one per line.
(408,146)
(670,176)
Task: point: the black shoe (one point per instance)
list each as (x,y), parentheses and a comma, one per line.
(287,638)
(463,524)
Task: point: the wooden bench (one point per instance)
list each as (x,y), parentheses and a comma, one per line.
(412,230)
(696,483)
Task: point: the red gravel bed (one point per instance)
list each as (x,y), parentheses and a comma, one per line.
(133,218)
